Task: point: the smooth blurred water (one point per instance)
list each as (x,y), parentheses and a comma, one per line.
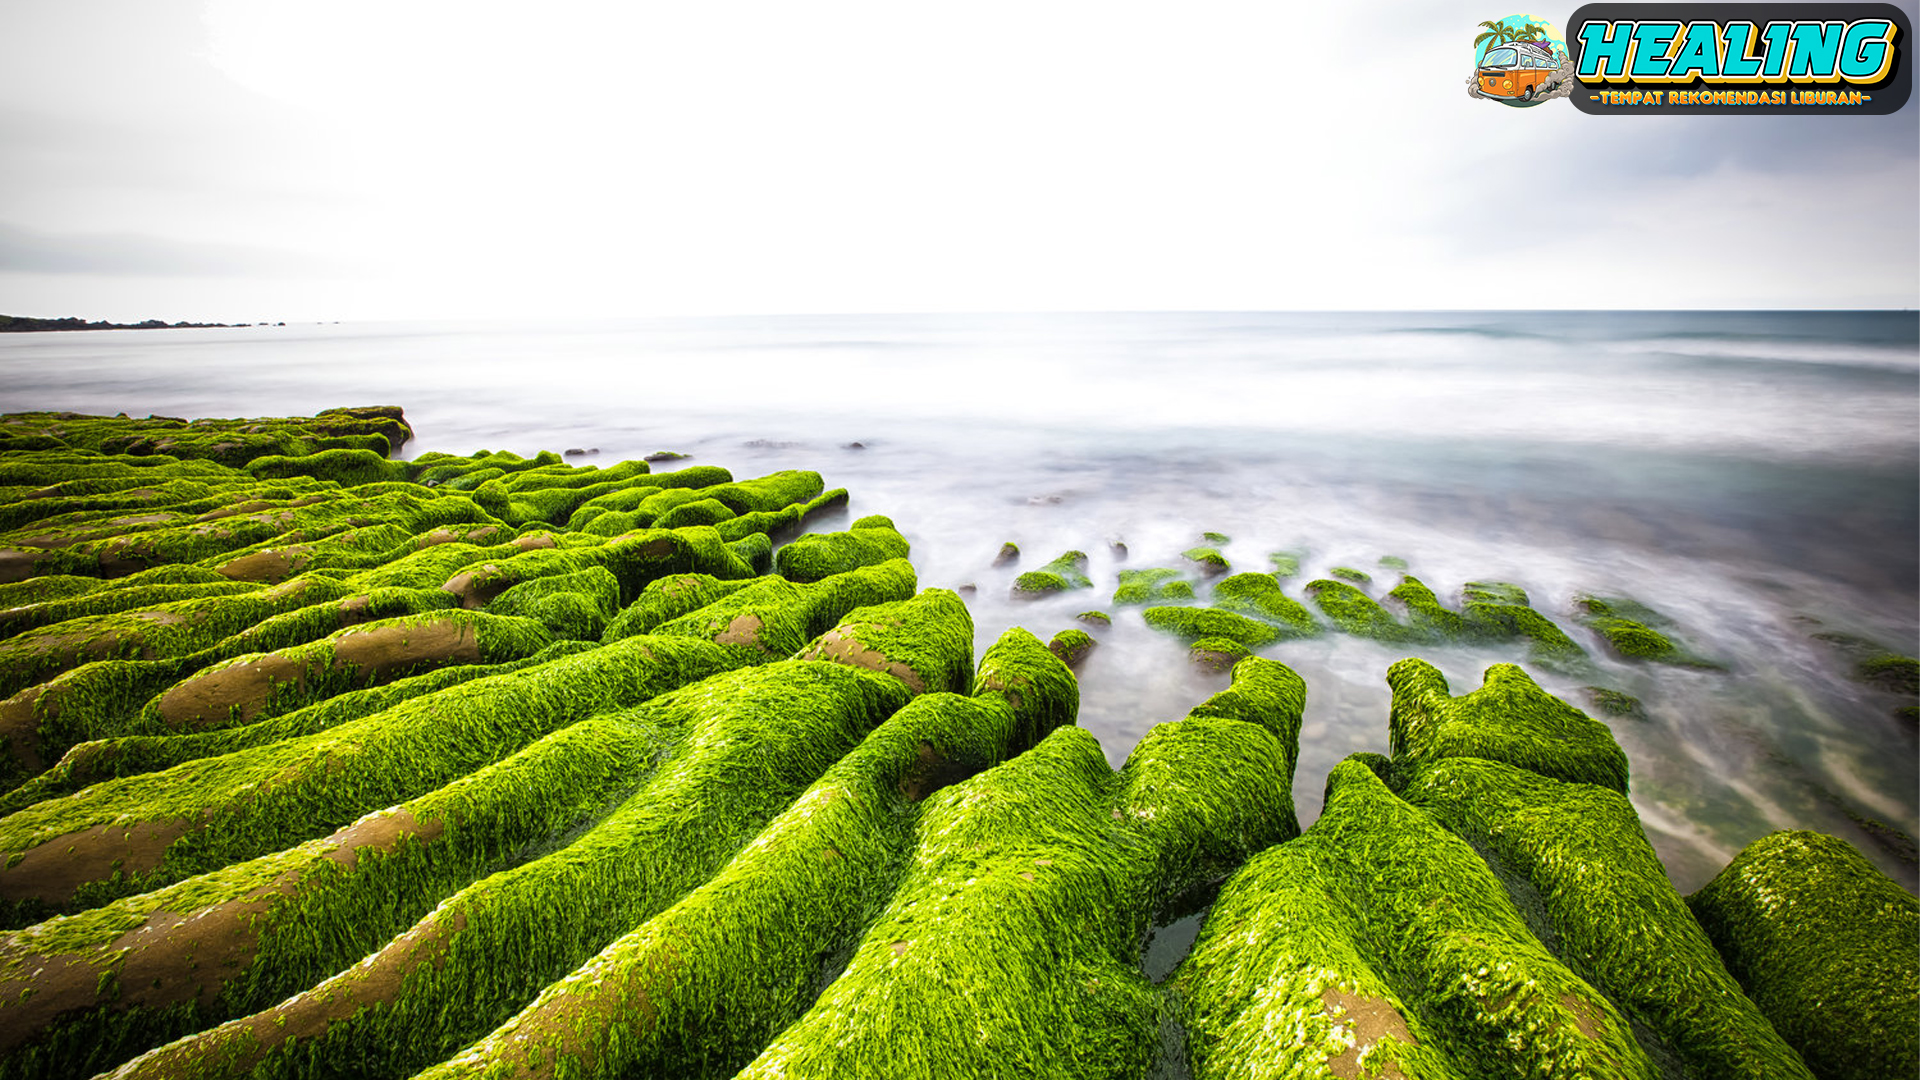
(1753,476)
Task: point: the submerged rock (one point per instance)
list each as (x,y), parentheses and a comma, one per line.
(1065,573)
(1072,647)
(1158,585)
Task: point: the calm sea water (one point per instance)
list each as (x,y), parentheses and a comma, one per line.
(1753,476)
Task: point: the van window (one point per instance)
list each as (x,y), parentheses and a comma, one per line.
(1500,58)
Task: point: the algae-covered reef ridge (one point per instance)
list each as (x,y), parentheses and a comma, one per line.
(318,761)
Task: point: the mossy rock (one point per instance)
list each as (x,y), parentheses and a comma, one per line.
(1286,564)
(1099,620)
(1156,585)
(1072,647)
(1890,672)
(576,606)
(1356,613)
(1379,934)
(1823,942)
(1193,624)
(1508,719)
(1615,702)
(1260,596)
(1216,654)
(925,642)
(815,556)
(1348,573)
(1209,559)
(1624,625)
(1065,573)
(1610,907)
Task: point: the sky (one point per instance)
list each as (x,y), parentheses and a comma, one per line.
(244,160)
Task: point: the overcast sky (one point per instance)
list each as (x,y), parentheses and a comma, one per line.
(293,159)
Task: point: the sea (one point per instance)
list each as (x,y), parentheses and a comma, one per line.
(1752,477)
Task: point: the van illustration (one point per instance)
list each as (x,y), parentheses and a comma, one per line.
(1517,69)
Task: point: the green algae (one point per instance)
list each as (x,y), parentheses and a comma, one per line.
(255,686)
(1072,647)
(103,699)
(1425,615)
(801,892)
(1012,940)
(348,468)
(1509,719)
(744,745)
(1040,690)
(305,520)
(755,550)
(576,606)
(162,631)
(926,642)
(1494,592)
(1890,672)
(1216,654)
(381,429)
(1549,647)
(282,921)
(245,804)
(778,523)
(1357,613)
(1065,573)
(1380,941)
(1393,562)
(1823,942)
(1157,585)
(872,539)
(1099,620)
(1629,628)
(1259,595)
(1618,920)
(1348,573)
(1615,702)
(667,598)
(15,620)
(1208,559)
(96,760)
(1196,623)
(1286,564)
(772,618)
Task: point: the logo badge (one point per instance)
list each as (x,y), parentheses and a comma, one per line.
(1521,61)
(1741,58)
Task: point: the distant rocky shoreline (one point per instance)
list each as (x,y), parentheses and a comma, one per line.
(24,324)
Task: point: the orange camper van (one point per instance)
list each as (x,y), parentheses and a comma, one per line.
(1518,69)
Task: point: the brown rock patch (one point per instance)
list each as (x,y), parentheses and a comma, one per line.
(52,871)
(1585,1016)
(839,646)
(20,728)
(1371,1019)
(18,565)
(475,588)
(741,630)
(273,564)
(211,697)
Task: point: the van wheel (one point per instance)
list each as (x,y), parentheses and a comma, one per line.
(1527,94)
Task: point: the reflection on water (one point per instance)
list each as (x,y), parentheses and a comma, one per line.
(1751,475)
